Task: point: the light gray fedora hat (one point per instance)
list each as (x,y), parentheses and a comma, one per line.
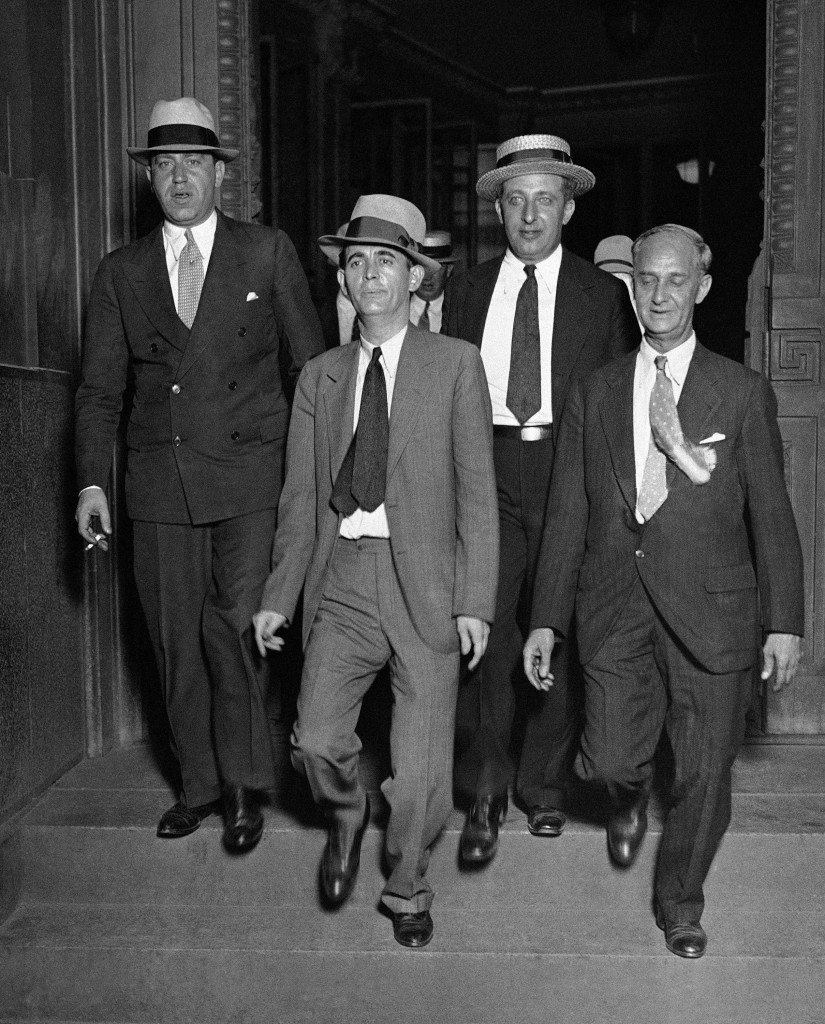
(184,125)
(382,220)
(438,245)
(534,154)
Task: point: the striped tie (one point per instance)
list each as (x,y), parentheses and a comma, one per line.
(190,280)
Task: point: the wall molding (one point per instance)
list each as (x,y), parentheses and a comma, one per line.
(783,142)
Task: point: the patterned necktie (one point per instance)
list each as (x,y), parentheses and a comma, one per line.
(524,382)
(362,479)
(424,319)
(653,491)
(190,280)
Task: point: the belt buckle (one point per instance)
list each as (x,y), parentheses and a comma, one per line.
(535,433)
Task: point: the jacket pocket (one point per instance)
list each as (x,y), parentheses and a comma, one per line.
(722,578)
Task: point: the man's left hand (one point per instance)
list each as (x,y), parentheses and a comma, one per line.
(473,634)
(781,654)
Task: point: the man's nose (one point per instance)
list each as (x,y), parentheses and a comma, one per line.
(179,173)
(528,214)
(370,267)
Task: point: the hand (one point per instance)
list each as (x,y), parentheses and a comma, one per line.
(473,634)
(537,653)
(780,653)
(92,502)
(266,625)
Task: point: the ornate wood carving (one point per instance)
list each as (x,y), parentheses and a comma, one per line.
(783,142)
(795,356)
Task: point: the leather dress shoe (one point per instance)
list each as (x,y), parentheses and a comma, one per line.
(545,821)
(479,837)
(687,940)
(413,930)
(340,861)
(243,823)
(181,820)
(625,832)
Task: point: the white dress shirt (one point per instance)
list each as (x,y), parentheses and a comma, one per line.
(678,363)
(361,523)
(434,313)
(497,340)
(174,239)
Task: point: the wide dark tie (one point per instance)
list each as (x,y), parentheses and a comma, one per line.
(362,479)
(524,382)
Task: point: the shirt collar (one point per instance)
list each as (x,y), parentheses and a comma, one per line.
(390,352)
(678,359)
(547,269)
(204,234)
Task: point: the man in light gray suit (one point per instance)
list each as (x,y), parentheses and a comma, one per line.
(388,520)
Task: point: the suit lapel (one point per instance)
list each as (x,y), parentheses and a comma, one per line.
(570,330)
(219,295)
(339,404)
(148,277)
(616,412)
(482,283)
(408,392)
(700,395)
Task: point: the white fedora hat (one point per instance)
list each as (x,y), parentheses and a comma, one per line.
(534,154)
(615,254)
(184,125)
(382,220)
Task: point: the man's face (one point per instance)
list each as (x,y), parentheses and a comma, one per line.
(433,284)
(185,184)
(667,283)
(379,280)
(533,210)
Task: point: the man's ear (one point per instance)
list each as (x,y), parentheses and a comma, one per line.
(417,275)
(342,283)
(148,169)
(498,211)
(220,170)
(704,288)
(569,209)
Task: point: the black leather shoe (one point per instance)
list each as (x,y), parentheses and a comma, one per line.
(545,821)
(412,930)
(687,940)
(479,837)
(243,823)
(181,820)
(625,832)
(340,861)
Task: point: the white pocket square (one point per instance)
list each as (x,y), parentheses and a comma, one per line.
(713,439)
(252,296)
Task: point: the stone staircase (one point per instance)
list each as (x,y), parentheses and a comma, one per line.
(115,925)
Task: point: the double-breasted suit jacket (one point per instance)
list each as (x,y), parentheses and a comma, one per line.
(694,555)
(440,489)
(208,421)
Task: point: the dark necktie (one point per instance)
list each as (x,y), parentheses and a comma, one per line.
(362,479)
(524,382)
(424,319)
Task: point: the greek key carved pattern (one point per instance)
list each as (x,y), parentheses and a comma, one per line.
(784,135)
(795,356)
(241,185)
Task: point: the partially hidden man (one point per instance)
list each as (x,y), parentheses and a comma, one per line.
(195,314)
(388,522)
(542,317)
(670,529)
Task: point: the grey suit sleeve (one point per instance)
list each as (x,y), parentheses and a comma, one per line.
(99,398)
(476,572)
(565,526)
(295,534)
(773,527)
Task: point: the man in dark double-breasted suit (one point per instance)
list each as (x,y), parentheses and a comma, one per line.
(195,315)
(669,526)
(542,317)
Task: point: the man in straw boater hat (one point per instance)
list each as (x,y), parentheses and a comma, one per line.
(193,314)
(542,318)
(388,522)
(427,305)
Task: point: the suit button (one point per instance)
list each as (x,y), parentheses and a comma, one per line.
(234,435)
(153,347)
(232,385)
(241,332)
(176,389)
(176,442)
(640,553)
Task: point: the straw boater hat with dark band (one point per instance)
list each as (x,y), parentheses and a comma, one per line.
(534,154)
(382,220)
(181,126)
(438,245)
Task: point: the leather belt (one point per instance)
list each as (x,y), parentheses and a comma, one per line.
(540,432)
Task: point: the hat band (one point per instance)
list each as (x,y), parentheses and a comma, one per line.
(168,136)
(375,227)
(612,259)
(534,155)
(436,252)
